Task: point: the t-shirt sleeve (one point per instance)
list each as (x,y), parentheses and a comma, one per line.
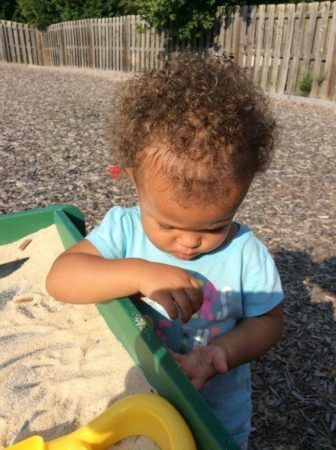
(109,236)
(262,291)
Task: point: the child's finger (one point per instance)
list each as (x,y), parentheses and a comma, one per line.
(195,294)
(168,303)
(183,303)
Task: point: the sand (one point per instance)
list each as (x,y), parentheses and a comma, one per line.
(60,365)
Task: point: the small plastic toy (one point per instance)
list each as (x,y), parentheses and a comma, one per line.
(140,414)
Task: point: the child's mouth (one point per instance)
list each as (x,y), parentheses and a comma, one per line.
(181,255)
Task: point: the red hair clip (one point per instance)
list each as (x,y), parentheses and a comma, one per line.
(115,171)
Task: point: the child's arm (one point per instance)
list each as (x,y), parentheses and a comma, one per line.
(249,340)
(82,275)
(252,337)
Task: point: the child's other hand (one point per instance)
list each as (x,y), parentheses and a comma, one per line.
(203,363)
(171,287)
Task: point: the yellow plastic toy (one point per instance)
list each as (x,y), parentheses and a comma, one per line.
(140,414)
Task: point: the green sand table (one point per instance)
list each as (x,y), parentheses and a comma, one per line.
(130,327)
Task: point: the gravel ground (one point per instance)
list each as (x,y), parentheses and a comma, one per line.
(52,150)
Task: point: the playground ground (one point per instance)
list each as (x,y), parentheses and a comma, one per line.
(52,150)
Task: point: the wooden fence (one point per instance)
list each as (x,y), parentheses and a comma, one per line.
(277,45)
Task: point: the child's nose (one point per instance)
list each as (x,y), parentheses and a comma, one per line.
(190,240)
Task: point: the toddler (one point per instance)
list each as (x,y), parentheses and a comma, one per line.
(191,136)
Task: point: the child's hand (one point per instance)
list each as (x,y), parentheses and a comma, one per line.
(172,288)
(203,363)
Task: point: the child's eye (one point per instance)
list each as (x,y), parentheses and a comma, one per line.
(219,229)
(165,227)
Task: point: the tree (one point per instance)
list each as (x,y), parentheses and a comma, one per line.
(10,10)
(42,13)
(182,19)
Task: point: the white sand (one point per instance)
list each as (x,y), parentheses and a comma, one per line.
(60,365)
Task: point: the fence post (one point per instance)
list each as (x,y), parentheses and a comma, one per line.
(126,63)
(3,53)
(330,66)
(331,85)
(39,45)
(62,39)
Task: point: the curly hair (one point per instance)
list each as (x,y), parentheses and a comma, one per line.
(215,124)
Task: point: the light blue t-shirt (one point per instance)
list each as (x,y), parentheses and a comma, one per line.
(238,280)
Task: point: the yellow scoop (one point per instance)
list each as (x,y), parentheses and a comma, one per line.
(140,414)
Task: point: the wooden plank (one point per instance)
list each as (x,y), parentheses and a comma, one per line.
(102,43)
(153,48)
(147,48)
(55,47)
(330,84)
(119,42)
(40,47)
(221,29)
(98,39)
(33,40)
(113,40)
(36,46)
(44,44)
(52,46)
(17,42)
(133,43)
(244,19)
(7,43)
(269,28)
(59,44)
(80,41)
(89,31)
(88,43)
(287,48)
(280,14)
(229,30)
(236,34)
(70,44)
(158,50)
(116,42)
(108,42)
(143,42)
(28,44)
(79,45)
(50,49)
(58,49)
(11,47)
(259,43)
(125,37)
(3,42)
(84,43)
(22,44)
(76,44)
(297,48)
(63,60)
(66,42)
(325,8)
(250,41)
(308,40)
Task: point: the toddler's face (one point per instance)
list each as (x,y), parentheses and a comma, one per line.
(186,232)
